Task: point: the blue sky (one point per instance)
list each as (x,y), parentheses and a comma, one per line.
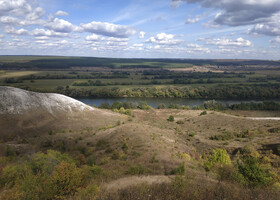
(246,29)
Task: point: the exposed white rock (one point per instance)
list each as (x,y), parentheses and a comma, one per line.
(18,101)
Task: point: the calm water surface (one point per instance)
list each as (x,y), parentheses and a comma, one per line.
(154,102)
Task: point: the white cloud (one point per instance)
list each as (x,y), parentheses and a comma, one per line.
(239,42)
(14,7)
(197,48)
(271,28)
(163,39)
(192,21)
(48,33)
(20,13)
(13,31)
(138,45)
(108,29)
(275,40)
(10,20)
(142,34)
(61,13)
(175,3)
(93,37)
(60,25)
(36,14)
(238,12)
(42,38)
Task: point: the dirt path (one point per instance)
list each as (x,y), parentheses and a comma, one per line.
(263,118)
(251,118)
(136,180)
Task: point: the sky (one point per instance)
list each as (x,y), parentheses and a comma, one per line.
(197,29)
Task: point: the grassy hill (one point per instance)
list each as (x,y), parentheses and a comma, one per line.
(147,154)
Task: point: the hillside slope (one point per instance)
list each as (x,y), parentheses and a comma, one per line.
(23,112)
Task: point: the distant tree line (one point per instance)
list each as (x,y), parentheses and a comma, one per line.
(258,91)
(207,105)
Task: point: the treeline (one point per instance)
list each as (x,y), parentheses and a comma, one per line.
(166,74)
(207,105)
(266,105)
(68,62)
(261,91)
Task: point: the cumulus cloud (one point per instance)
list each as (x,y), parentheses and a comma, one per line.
(61,13)
(36,14)
(93,37)
(10,20)
(20,13)
(192,21)
(197,48)
(13,31)
(108,29)
(271,28)
(142,34)
(60,25)
(275,40)
(239,12)
(14,7)
(49,33)
(163,39)
(239,42)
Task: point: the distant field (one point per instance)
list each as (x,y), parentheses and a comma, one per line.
(47,62)
(111,77)
(15,74)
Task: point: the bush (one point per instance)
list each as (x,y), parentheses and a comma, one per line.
(66,179)
(137,170)
(44,176)
(203,113)
(219,157)
(104,106)
(161,106)
(180,170)
(180,122)
(170,118)
(253,173)
(90,192)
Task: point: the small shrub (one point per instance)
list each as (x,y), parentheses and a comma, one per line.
(125,147)
(192,134)
(153,159)
(90,192)
(203,113)
(137,170)
(224,136)
(180,122)
(219,157)
(51,132)
(170,118)
(115,155)
(180,170)
(161,106)
(102,144)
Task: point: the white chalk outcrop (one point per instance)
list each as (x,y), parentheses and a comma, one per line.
(18,101)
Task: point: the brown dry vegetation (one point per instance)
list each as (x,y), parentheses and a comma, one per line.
(147,145)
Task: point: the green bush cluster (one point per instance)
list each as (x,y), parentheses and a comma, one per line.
(50,175)
(219,157)
(170,118)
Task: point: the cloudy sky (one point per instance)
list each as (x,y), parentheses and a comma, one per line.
(141,28)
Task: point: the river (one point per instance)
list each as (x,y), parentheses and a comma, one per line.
(154,102)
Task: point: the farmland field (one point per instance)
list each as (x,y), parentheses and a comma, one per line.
(109,77)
